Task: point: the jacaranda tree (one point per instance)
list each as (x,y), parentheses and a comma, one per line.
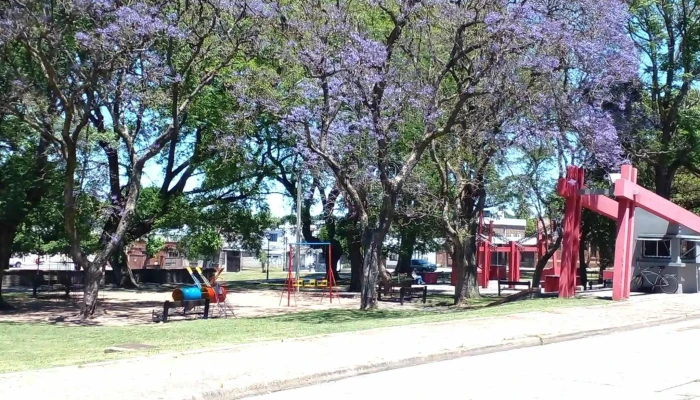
(372,83)
(123,74)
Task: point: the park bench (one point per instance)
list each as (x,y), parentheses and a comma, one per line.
(444,277)
(186,306)
(507,285)
(404,289)
(50,281)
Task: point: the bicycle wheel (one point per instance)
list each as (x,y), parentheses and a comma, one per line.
(668,284)
(637,283)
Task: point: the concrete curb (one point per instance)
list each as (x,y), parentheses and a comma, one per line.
(343,373)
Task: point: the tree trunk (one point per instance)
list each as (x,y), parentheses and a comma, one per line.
(7,237)
(356,262)
(408,243)
(123,277)
(663,180)
(93,277)
(467,286)
(370,271)
(542,262)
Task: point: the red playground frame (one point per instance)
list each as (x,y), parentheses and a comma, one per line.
(329,276)
(628,196)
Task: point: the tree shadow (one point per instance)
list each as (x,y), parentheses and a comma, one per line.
(61,310)
(341,316)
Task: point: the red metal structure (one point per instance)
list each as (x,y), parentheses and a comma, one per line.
(628,196)
(512,249)
(485,247)
(292,284)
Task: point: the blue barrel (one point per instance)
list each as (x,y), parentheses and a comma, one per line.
(185,293)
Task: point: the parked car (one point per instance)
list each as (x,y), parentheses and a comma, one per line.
(15,263)
(423,266)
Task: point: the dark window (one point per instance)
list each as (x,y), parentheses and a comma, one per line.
(657,249)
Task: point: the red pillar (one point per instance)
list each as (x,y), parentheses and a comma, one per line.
(487,257)
(624,243)
(482,263)
(568,239)
(518,260)
(630,240)
(481,253)
(576,231)
(512,261)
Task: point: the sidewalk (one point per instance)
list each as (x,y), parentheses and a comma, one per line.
(245,370)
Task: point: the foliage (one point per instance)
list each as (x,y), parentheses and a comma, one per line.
(662,123)
(154,244)
(204,243)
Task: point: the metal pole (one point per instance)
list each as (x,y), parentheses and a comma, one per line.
(297,253)
(267,277)
(284,264)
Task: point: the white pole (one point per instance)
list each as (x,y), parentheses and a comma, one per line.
(297,255)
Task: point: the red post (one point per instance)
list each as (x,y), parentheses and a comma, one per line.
(290,287)
(576,231)
(512,259)
(487,256)
(623,242)
(518,260)
(481,253)
(630,240)
(569,188)
(331,275)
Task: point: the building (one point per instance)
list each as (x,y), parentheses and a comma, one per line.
(505,230)
(659,243)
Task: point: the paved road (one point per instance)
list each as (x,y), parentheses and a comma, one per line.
(655,363)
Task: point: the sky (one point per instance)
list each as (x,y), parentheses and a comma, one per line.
(280,206)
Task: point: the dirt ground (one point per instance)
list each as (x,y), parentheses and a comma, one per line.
(133,307)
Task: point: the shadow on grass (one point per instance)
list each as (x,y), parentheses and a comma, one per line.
(61,310)
(343,316)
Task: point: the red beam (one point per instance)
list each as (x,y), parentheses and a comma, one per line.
(656,204)
(600,204)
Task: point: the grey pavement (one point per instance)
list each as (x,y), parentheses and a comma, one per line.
(246,370)
(655,363)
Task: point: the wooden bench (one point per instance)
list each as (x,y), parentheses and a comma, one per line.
(507,285)
(445,277)
(405,289)
(185,305)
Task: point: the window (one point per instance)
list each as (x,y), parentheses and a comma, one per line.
(657,249)
(688,249)
(272,237)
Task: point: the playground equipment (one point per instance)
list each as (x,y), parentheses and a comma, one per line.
(202,293)
(293,283)
(212,291)
(629,198)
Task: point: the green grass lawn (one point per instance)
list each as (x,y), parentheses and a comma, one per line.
(30,346)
